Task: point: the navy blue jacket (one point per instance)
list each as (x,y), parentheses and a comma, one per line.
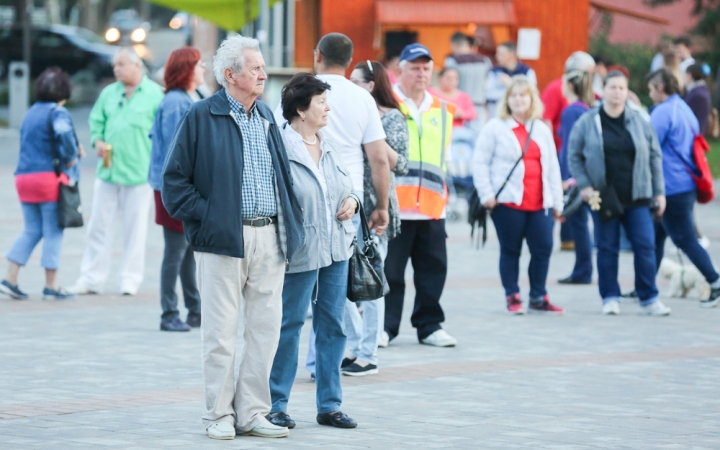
(202,179)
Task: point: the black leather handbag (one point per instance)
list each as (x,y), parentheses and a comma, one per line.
(477,213)
(366,277)
(69,211)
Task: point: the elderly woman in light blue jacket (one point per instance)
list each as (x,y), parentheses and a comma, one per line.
(319,270)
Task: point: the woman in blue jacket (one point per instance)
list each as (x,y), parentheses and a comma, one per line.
(47,127)
(184,72)
(578,89)
(676,127)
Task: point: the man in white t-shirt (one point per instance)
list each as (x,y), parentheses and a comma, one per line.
(353,123)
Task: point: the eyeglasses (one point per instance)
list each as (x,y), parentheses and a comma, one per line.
(370,67)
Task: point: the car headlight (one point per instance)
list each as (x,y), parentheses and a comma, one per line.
(112,35)
(138,35)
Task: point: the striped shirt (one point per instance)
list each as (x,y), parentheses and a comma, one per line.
(258,184)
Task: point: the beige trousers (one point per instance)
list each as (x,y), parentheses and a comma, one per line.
(231,288)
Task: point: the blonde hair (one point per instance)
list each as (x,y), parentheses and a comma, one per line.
(536,106)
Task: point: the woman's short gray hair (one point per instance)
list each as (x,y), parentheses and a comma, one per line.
(230,55)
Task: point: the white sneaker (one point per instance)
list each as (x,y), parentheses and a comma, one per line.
(704,242)
(267,430)
(221,430)
(440,338)
(80,289)
(384,340)
(611,308)
(655,309)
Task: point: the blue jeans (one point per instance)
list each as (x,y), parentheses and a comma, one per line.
(578,224)
(679,224)
(363,332)
(41,222)
(536,227)
(640,230)
(329,286)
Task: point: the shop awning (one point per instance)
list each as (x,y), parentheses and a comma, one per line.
(498,12)
(230,15)
(607,7)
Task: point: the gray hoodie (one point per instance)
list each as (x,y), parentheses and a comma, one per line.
(586,155)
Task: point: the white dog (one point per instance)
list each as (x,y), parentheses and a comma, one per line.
(684,279)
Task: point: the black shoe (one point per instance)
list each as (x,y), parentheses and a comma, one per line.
(631,294)
(12,290)
(356,370)
(280,419)
(713,300)
(193,320)
(312,376)
(346,362)
(571,280)
(336,419)
(174,325)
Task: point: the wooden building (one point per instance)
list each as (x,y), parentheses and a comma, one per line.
(376,25)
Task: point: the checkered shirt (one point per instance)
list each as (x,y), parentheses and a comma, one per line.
(258,184)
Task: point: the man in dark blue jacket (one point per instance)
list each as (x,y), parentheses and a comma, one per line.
(227,177)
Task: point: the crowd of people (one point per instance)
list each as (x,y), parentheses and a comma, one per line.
(262,210)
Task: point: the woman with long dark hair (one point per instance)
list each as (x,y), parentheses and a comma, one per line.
(47,127)
(184,72)
(365,333)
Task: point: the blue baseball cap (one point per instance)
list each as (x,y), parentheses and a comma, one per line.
(414,51)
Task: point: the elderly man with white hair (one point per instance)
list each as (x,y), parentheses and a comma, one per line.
(227,177)
(120,123)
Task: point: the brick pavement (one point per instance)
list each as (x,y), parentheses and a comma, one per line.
(96,372)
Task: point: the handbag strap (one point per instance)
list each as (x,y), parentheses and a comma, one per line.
(367,237)
(53,144)
(525,149)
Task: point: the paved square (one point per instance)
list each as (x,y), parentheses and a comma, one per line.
(96,372)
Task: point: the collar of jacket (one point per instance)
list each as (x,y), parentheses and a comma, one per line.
(292,150)
(220,106)
(630,116)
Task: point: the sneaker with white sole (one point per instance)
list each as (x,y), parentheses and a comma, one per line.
(356,370)
(657,308)
(267,429)
(384,340)
(611,308)
(12,290)
(713,300)
(224,431)
(440,338)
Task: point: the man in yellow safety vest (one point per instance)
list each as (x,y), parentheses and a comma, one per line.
(422,196)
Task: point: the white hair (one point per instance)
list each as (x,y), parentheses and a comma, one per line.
(405,62)
(230,56)
(579,61)
(131,54)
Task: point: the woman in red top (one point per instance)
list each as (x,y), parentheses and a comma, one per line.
(525,207)
(449,80)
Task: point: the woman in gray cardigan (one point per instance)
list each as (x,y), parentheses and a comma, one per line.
(613,150)
(319,270)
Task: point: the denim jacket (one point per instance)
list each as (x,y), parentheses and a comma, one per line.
(168,116)
(36,154)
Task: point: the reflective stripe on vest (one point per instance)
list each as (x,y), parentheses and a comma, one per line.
(424,189)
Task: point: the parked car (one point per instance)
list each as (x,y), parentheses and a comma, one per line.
(73,49)
(126,27)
